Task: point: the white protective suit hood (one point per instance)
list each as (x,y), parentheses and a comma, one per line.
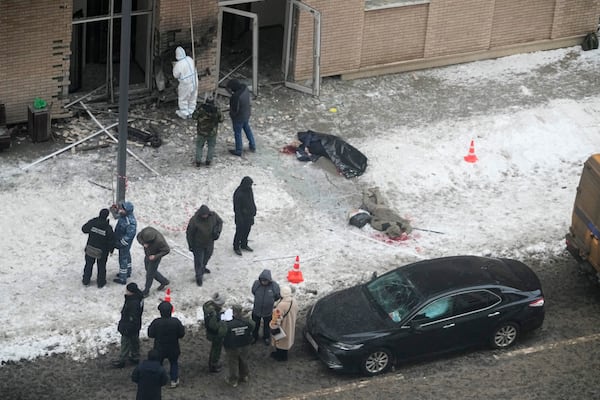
(179,53)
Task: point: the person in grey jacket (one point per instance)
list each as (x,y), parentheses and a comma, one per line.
(155,247)
(202,231)
(266,292)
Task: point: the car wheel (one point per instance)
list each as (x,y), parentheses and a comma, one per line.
(504,335)
(376,362)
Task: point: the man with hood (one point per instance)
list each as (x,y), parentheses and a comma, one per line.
(155,248)
(208,116)
(216,329)
(100,242)
(239,111)
(185,72)
(266,292)
(202,231)
(244,209)
(124,235)
(130,325)
(166,332)
(150,377)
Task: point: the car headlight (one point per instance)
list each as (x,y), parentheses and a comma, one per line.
(346,346)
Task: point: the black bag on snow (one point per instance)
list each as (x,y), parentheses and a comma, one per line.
(590,42)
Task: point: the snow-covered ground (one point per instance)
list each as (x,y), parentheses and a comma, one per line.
(515,201)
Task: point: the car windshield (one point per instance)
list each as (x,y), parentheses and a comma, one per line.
(395,294)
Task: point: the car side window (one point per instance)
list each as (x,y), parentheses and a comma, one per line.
(474,301)
(439,309)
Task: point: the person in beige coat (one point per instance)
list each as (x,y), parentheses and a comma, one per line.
(284,317)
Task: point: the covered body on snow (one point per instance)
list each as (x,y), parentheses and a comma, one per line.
(347,159)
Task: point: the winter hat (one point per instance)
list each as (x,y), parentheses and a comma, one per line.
(286,291)
(132,287)
(154,355)
(218,299)
(204,210)
(165,308)
(103,213)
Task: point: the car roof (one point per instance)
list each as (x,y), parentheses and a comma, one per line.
(458,272)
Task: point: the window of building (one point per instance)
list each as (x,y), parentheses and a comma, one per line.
(382,4)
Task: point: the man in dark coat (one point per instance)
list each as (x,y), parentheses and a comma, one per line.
(155,248)
(130,325)
(208,116)
(100,242)
(167,331)
(216,329)
(202,231)
(239,111)
(150,377)
(244,209)
(237,339)
(266,293)
(124,235)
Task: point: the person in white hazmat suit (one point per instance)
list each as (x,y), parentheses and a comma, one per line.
(187,91)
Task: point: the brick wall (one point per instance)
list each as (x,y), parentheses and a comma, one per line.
(35,38)
(404,29)
(173,28)
(575,17)
(458,26)
(341,32)
(518,21)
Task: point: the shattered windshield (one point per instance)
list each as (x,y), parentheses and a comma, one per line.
(395,294)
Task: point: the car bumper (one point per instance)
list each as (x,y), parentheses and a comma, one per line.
(324,353)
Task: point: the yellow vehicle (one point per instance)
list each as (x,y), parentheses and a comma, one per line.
(583,239)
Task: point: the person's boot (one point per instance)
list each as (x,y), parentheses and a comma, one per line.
(214,367)
(118,363)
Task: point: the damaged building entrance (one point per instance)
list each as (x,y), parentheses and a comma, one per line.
(256,43)
(95,46)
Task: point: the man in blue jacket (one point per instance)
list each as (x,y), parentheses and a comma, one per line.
(239,111)
(266,292)
(124,235)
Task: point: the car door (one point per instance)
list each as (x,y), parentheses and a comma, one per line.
(432,330)
(475,316)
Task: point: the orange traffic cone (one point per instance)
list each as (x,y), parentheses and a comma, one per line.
(471,157)
(168,299)
(295,275)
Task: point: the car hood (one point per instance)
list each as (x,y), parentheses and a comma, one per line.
(348,315)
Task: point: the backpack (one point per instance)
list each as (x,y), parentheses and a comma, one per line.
(590,41)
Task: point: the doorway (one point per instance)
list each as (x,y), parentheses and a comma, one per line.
(96,46)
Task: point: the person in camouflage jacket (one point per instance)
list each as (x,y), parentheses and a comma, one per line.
(208,116)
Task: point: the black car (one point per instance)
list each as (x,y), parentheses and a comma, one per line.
(428,307)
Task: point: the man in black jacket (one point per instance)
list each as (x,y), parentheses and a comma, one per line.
(244,209)
(237,339)
(167,331)
(239,111)
(130,325)
(202,231)
(100,242)
(150,377)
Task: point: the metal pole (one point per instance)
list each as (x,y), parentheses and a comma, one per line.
(123,99)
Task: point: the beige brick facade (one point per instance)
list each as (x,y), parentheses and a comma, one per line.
(355,41)
(35,54)
(438,32)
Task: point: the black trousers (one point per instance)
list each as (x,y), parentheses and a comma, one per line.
(241,235)
(87,270)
